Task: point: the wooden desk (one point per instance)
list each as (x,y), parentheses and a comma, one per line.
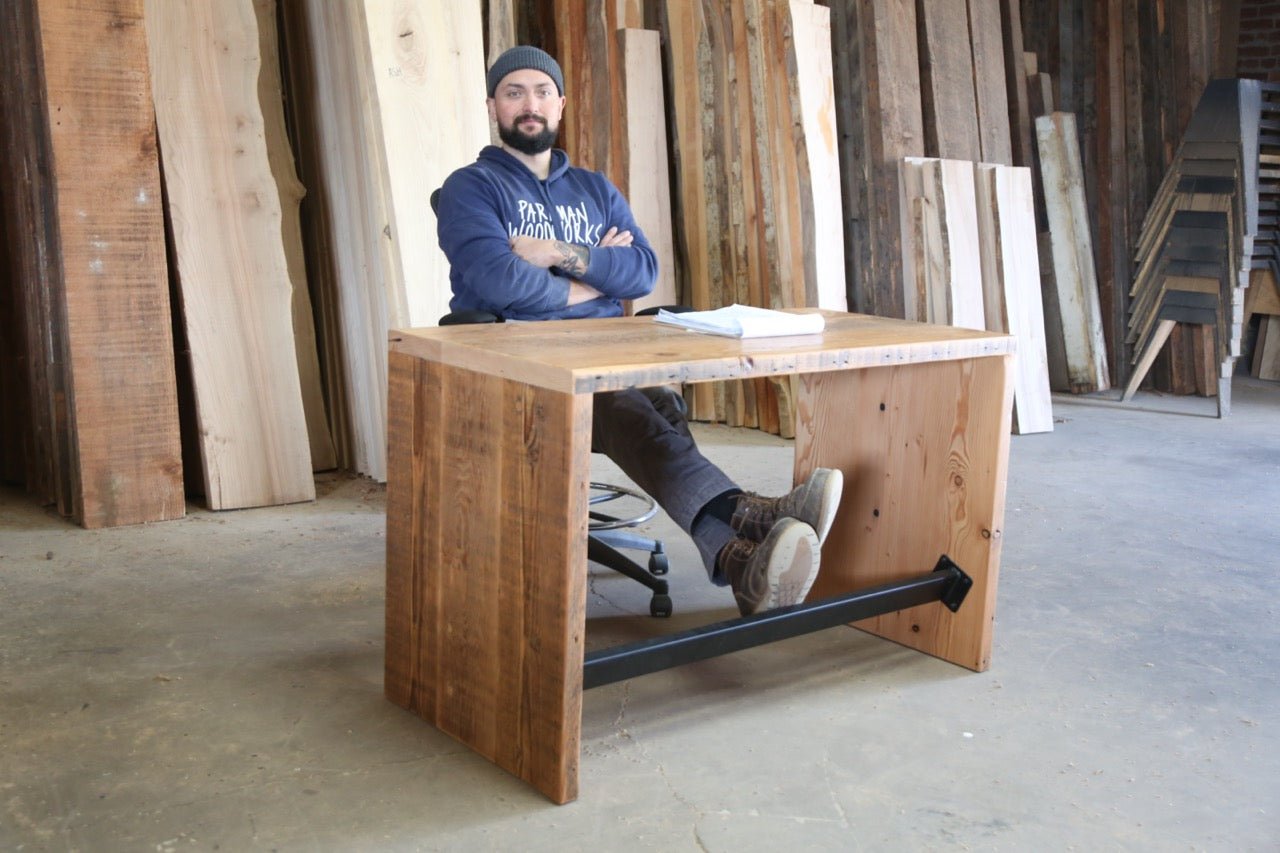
(490,436)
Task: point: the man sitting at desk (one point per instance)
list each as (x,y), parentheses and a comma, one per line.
(530,237)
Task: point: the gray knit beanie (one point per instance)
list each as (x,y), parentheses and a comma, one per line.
(524,56)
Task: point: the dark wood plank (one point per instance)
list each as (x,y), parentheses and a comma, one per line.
(948,102)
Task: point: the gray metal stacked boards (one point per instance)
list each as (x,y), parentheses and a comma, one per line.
(1266,245)
(1199,238)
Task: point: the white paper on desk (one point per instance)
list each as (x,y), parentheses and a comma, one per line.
(745,321)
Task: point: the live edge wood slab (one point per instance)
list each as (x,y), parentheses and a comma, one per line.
(489,446)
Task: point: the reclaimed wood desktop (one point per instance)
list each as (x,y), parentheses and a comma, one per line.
(489,458)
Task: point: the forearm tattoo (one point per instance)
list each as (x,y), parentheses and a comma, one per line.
(573,258)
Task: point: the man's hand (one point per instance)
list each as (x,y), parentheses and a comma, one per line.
(614,237)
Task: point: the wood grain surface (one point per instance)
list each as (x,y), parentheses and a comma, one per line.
(232,272)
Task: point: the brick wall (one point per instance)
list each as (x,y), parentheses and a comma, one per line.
(1258,55)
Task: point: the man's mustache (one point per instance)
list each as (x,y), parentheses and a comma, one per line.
(523,117)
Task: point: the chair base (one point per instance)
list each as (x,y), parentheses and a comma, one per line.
(604,553)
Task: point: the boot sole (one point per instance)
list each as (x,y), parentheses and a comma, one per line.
(793,564)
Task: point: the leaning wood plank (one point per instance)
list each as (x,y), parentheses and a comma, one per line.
(29,226)
(1267,363)
(811,29)
(1074,274)
(1147,357)
(280,156)
(946,81)
(687,66)
(426,58)
(1016,82)
(949,185)
(232,271)
(120,447)
(502,37)
(987,43)
(645,133)
(1011,286)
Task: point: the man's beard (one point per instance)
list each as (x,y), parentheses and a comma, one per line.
(523,142)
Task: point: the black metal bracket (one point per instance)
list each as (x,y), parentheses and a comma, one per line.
(947,583)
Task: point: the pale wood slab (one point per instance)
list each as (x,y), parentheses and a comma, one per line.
(907,502)
(811,43)
(232,271)
(280,156)
(647,162)
(949,184)
(1011,286)
(426,61)
(486,590)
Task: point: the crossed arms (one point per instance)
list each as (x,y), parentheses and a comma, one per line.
(572,259)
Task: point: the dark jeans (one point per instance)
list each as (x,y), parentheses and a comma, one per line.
(645,433)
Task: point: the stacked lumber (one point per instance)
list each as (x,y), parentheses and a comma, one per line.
(88,380)
(388,99)
(616,121)
(971,261)
(749,211)
(1197,241)
(916,79)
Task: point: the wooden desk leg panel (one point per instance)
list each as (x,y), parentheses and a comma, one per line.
(924,449)
(486,565)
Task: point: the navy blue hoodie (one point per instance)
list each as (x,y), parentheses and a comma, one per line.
(483,205)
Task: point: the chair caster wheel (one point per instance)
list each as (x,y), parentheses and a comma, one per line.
(658,564)
(660,606)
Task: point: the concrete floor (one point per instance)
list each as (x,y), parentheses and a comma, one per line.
(215,683)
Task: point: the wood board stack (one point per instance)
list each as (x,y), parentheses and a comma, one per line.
(1197,241)
(90,401)
(971,261)
(752,196)
(616,122)
(387,98)
(916,79)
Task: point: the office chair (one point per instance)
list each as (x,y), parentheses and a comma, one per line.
(606,533)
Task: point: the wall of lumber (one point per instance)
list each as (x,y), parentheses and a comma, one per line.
(236,274)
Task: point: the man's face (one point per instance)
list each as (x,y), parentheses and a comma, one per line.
(527,108)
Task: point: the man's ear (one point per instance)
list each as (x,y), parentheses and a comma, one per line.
(493,108)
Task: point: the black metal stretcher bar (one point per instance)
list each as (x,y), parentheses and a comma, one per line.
(947,583)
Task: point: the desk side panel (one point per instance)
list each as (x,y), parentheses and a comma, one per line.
(486,581)
(924,449)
